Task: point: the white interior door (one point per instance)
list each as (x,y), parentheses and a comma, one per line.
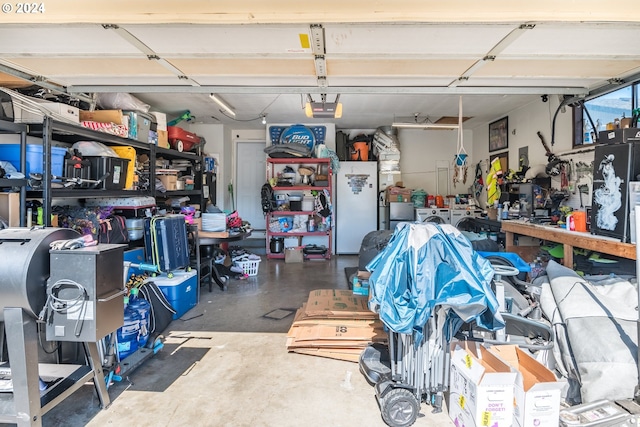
(250,175)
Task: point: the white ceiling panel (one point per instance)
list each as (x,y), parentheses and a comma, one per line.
(58,40)
(255,67)
(559,68)
(277,81)
(397,67)
(122,80)
(586,40)
(243,39)
(420,67)
(92,66)
(388,81)
(414,39)
(515,82)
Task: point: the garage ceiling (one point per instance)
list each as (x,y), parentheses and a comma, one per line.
(387,60)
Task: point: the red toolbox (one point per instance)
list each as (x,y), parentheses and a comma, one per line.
(181,139)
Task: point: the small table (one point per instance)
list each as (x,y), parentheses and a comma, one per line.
(221,239)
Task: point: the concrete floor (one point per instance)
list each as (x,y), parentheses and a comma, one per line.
(224,364)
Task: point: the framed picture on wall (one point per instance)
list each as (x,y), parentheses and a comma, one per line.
(499,134)
(504,161)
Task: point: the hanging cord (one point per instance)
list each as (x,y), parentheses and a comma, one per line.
(55,304)
(460,145)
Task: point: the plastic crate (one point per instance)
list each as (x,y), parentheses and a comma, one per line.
(11,154)
(250,267)
(116,167)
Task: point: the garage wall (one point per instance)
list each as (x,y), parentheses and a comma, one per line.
(216,135)
(422,150)
(524,123)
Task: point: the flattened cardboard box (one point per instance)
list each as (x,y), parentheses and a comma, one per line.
(301,318)
(537,391)
(480,388)
(338,332)
(335,302)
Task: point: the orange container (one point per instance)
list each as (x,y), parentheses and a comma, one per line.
(439,202)
(580,220)
(360,151)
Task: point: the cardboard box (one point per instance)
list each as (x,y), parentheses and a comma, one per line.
(337,303)
(397,194)
(481,387)
(10,208)
(293,254)
(537,391)
(102,116)
(168,177)
(161,120)
(163,139)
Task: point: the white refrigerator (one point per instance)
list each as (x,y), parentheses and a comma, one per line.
(356,204)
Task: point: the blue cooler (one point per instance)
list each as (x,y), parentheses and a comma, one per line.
(181,290)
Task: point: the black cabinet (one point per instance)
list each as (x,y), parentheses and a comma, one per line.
(614,166)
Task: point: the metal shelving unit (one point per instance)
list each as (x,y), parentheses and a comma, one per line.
(51,130)
(272,173)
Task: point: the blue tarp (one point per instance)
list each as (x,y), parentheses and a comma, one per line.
(425,266)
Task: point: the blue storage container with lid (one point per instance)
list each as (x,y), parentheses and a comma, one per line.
(11,154)
(181,290)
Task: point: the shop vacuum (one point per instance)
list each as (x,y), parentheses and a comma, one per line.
(607,413)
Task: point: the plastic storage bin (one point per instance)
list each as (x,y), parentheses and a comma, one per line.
(128,153)
(115,166)
(139,125)
(74,168)
(11,153)
(180,290)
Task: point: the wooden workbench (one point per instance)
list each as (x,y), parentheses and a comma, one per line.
(569,239)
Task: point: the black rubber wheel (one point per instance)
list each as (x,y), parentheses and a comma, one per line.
(399,408)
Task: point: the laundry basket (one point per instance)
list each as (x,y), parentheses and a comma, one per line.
(249,267)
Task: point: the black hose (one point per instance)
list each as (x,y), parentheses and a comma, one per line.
(565,102)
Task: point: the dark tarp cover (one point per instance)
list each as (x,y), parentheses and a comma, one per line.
(425,266)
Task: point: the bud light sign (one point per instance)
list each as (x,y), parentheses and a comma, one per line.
(298,134)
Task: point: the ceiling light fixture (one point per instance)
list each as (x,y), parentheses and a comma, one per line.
(264,119)
(223,104)
(323,109)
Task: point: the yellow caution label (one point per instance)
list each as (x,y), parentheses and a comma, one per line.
(468,360)
(304,41)
(461,402)
(486,419)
